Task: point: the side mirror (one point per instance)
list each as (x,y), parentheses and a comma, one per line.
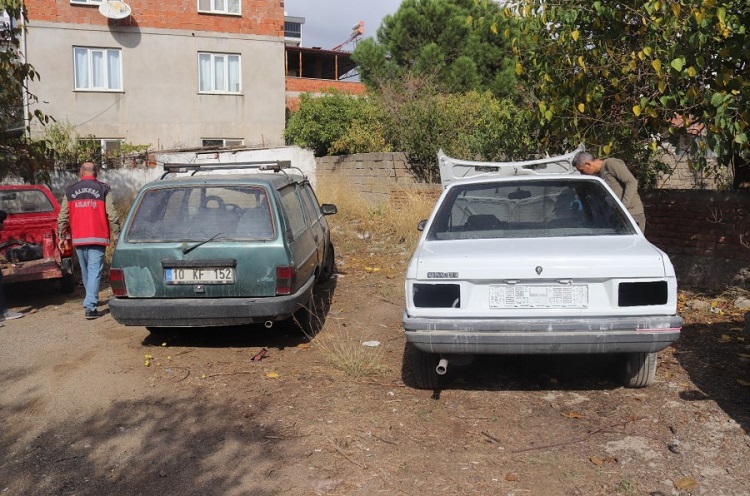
(328,209)
(421,225)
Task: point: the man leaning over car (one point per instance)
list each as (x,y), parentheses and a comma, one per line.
(617,176)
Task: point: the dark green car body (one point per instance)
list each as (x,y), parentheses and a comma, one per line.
(215,249)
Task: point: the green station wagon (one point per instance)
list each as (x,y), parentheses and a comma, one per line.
(205,246)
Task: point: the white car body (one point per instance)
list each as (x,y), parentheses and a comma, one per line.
(537,273)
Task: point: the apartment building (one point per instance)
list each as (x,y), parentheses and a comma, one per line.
(169,74)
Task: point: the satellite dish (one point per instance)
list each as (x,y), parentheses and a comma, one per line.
(114,9)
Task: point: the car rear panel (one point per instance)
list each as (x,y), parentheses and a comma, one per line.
(254,264)
(465,279)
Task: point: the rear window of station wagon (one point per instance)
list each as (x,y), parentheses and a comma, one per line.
(196,213)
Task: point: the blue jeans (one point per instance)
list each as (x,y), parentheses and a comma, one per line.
(91,259)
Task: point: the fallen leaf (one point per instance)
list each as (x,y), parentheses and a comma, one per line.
(511,477)
(685,483)
(743,383)
(725,339)
(304,346)
(573,415)
(597,460)
(272,375)
(743,355)
(740,329)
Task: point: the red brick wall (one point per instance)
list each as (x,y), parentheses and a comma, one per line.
(259,17)
(295,85)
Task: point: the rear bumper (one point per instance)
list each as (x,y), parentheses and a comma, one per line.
(197,312)
(543,336)
(36,270)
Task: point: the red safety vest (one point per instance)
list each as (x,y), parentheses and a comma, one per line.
(89,224)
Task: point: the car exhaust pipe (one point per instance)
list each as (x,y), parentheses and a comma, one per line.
(268,324)
(442,366)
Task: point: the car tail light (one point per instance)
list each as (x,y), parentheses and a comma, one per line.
(67,247)
(285,280)
(117,282)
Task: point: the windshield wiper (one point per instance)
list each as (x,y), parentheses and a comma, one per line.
(188,249)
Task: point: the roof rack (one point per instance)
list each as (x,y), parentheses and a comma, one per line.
(452,169)
(261,165)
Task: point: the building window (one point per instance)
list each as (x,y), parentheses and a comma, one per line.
(218,73)
(107,152)
(221,142)
(219,6)
(97,69)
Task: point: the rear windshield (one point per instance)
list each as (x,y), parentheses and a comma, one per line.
(198,213)
(524,209)
(25,201)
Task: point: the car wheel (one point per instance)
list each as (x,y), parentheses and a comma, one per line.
(307,320)
(326,272)
(67,283)
(419,368)
(639,369)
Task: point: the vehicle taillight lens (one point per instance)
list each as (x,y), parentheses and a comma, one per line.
(117,282)
(67,247)
(285,280)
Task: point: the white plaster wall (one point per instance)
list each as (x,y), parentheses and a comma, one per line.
(160,105)
(125,183)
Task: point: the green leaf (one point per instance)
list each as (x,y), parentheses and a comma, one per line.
(741,139)
(678,63)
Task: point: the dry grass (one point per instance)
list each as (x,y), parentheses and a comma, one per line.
(359,222)
(359,228)
(348,354)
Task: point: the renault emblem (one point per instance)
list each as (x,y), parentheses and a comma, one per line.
(539,270)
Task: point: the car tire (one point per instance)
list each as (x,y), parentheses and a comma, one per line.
(419,368)
(638,369)
(67,283)
(307,320)
(326,271)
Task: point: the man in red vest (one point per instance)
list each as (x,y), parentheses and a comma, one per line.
(88,213)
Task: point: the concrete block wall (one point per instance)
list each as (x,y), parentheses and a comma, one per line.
(373,175)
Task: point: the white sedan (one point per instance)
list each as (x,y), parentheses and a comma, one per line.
(534,258)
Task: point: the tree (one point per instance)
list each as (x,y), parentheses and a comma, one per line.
(629,77)
(337,123)
(453,40)
(18,155)
(472,125)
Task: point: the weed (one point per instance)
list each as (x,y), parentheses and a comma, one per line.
(348,354)
(360,223)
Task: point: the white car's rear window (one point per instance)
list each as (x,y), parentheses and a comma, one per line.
(529,209)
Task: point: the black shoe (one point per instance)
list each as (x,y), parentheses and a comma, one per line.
(93,314)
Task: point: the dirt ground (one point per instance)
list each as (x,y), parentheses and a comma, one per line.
(93,407)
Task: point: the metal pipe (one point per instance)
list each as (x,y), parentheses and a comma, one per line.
(442,366)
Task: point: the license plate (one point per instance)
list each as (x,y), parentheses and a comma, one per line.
(200,275)
(520,296)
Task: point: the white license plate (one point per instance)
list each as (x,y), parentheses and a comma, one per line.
(520,296)
(199,275)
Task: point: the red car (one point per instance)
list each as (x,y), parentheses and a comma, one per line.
(28,243)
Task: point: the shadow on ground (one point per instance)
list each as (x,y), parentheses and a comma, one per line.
(150,446)
(711,354)
(283,334)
